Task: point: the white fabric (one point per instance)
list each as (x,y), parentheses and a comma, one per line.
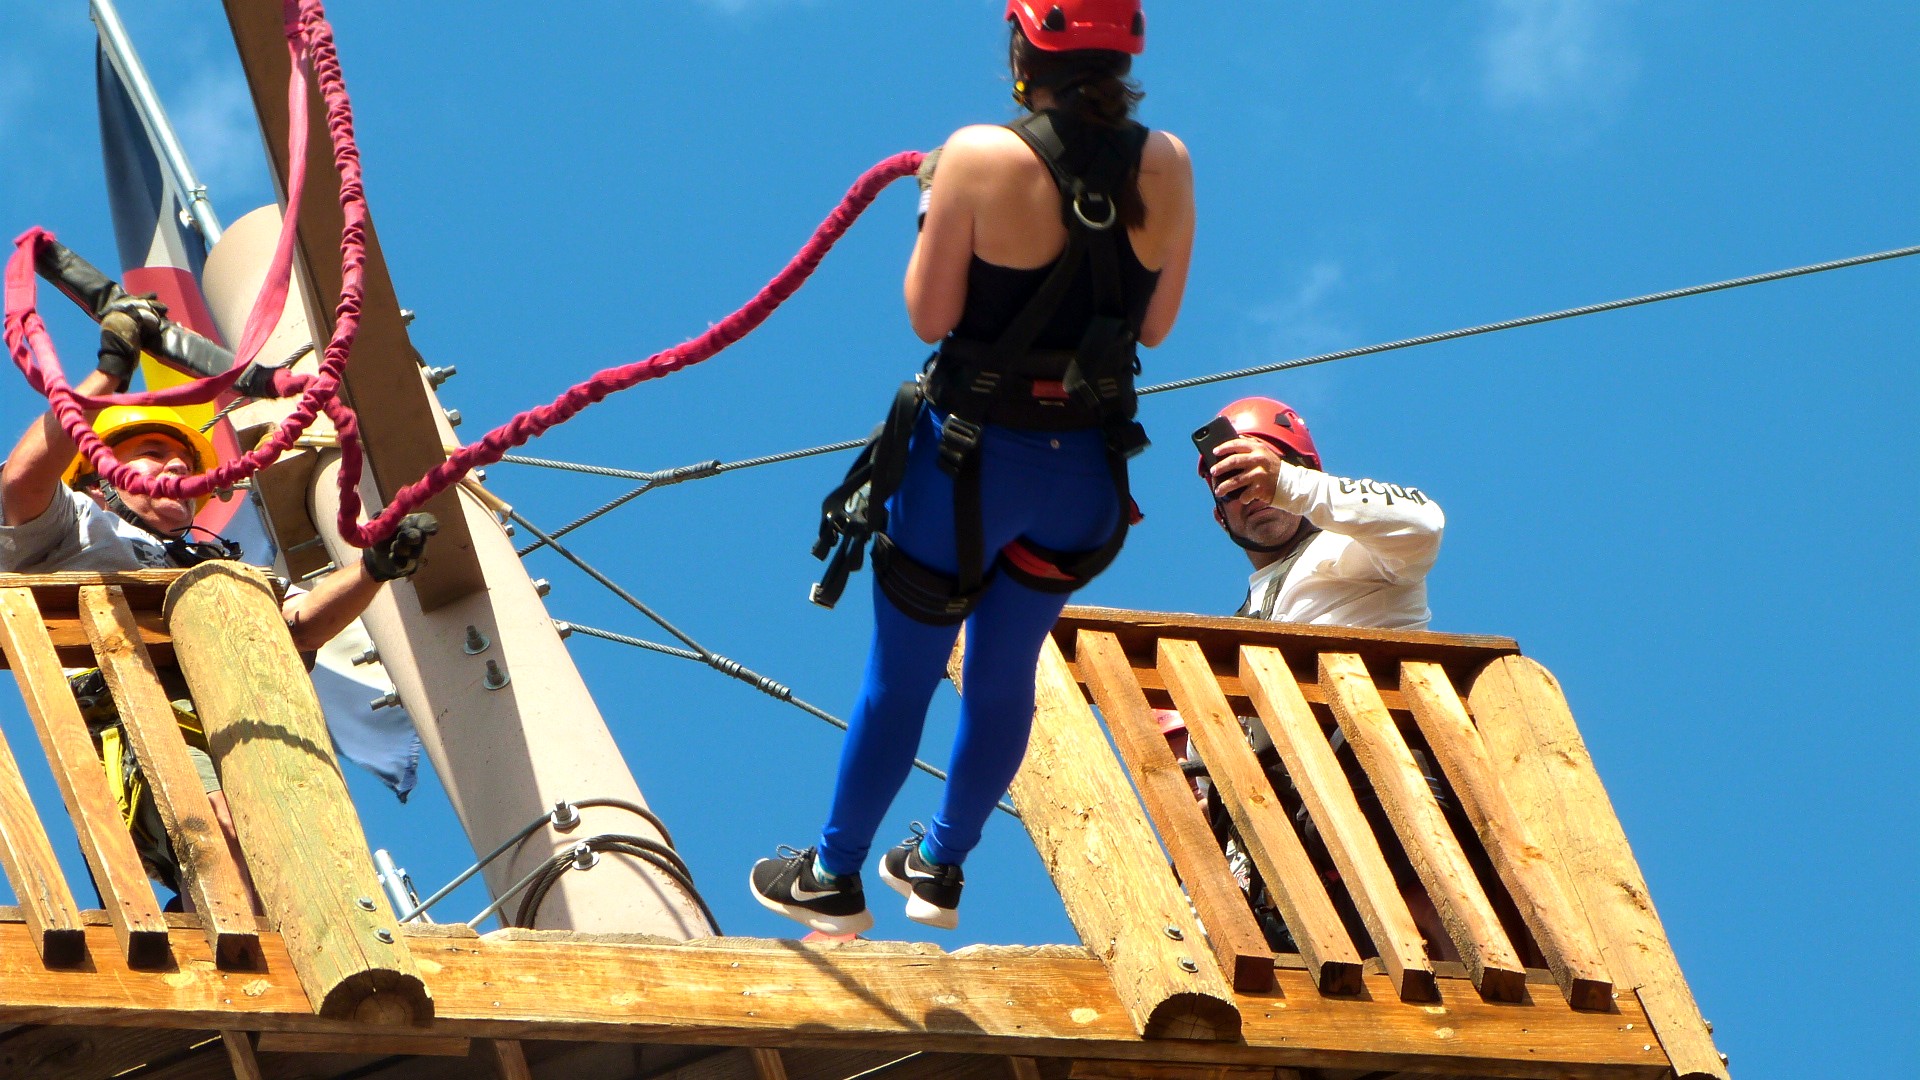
(1368,565)
(74,533)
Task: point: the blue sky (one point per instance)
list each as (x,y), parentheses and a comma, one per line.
(1699,515)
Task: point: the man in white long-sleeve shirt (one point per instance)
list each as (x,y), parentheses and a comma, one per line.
(1325,549)
(1329,550)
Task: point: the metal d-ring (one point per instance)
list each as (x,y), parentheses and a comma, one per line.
(1113,214)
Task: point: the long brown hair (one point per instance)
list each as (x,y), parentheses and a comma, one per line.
(1093,86)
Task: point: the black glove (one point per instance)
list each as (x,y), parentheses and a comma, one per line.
(398,555)
(125,327)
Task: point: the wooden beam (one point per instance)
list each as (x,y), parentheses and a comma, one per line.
(33,871)
(1546,770)
(1162,1070)
(1527,871)
(509,1059)
(1039,1002)
(1023,1068)
(209,874)
(1423,829)
(73,1052)
(1263,826)
(767,1064)
(1330,801)
(290,804)
(1148,677)
(1096,844)
(240,1054)
(1238,945)
(401,423)
(373,1042)
(1220,638)
(76,767)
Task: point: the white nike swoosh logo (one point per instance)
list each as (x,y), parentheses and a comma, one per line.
(803,894)
(921,875)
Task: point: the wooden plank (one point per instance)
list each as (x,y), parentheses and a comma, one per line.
(1162,1070)
(33,871)
(1423,829)
(1262,823)
(207,869)
(370,1042)
(1323,786)
(1147,675)
(401,423)
(1546,770)
(767,1064)
(1096,844)
(290,805)
(1238,945)
(1221,637)
(1022,1068)
(240,1054)
(104,840)
(1005,1002)
(1528,873)
(509,1059)
(69,1052)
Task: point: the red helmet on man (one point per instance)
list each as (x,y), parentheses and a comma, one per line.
(1071,25)
(1276,422)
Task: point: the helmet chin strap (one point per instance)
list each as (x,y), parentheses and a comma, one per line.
(176,542)
(126,513)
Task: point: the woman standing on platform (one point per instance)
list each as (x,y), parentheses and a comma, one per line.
(1049,249)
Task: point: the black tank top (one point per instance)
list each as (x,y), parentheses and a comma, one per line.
(997,294)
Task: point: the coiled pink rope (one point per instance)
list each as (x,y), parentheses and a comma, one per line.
(310,39)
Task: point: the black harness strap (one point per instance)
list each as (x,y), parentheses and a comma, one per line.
(1010,382)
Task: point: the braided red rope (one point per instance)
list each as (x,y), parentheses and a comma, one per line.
(310,39)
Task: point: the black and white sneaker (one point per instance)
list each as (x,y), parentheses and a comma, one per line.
(932,889)
(788,885)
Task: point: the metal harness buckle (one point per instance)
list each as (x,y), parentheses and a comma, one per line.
(958,440)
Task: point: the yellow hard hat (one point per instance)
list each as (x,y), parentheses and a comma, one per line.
(117,422)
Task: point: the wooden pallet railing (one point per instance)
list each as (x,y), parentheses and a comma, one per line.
(1530,864)
(220,624)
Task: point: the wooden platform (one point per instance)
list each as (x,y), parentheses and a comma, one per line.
(1561,968)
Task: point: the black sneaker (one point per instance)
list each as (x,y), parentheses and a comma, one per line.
(932,889)
(787,885)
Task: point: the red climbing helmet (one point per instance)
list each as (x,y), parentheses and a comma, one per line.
(1069,25)
(1276,422)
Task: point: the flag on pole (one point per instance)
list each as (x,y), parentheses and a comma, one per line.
(160,251)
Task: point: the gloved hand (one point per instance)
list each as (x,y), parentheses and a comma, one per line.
(398,556)
(128,323)
(925,178)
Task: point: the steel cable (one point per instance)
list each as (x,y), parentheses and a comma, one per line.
(1304,361)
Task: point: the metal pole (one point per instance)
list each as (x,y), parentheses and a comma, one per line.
(120,53)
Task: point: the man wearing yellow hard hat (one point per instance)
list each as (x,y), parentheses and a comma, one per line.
(57,513)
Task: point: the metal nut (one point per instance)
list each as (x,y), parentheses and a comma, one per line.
(477,642)
(1187,965)
(365,902)
(497,677)
(383,935)
(1174,933)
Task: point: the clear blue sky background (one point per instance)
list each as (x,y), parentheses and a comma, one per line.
(1701,516)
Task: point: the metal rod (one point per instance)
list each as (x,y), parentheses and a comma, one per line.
(531,828)
(500,901)
(121,54)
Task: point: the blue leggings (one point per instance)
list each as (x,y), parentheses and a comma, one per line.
(1053,488)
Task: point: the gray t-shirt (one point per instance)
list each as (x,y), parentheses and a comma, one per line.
(74,533)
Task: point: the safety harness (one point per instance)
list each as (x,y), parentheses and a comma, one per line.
(1010,383)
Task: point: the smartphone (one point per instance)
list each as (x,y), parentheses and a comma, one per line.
(1208,439)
